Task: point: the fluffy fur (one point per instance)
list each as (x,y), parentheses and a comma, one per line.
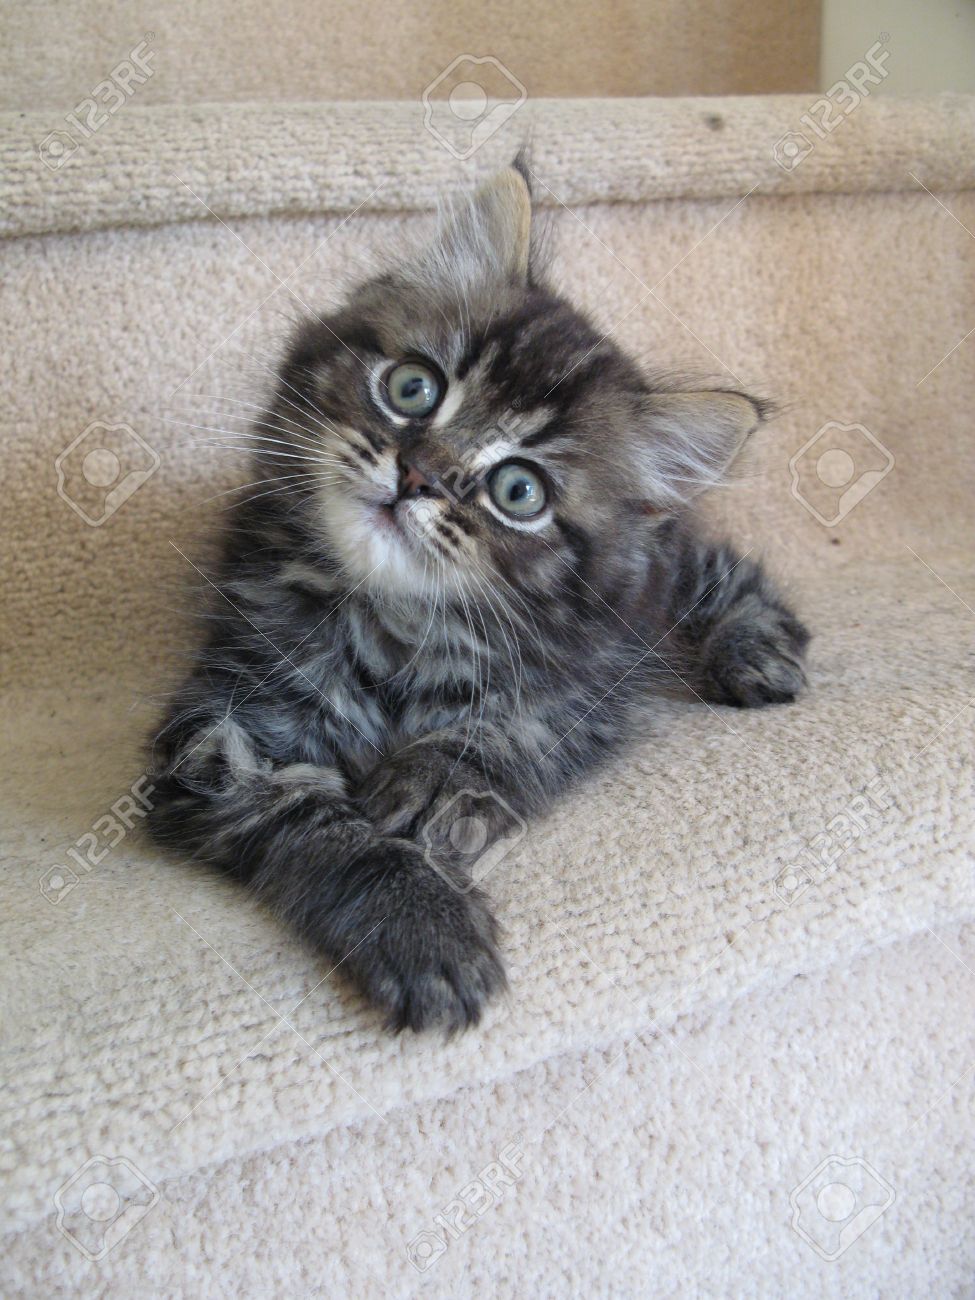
(398,672)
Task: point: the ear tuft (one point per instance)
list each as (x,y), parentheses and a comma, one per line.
(505,205)
(689,441)
(485,236)
(521,165)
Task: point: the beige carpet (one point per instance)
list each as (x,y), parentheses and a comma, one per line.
(684,1043)
(52,55)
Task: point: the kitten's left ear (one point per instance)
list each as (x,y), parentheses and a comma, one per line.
(490,231)
(689,440)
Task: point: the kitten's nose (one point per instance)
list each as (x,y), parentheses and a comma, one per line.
(412,483)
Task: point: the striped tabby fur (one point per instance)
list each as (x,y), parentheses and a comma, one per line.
(394,663)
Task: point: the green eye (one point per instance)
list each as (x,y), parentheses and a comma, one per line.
(413,388)
(517,490)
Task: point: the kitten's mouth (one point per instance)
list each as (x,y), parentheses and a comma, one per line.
(394,516)
(407,519)
(385,514)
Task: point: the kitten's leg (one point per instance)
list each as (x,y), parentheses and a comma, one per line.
(421,949)
(444,782)
(737,639)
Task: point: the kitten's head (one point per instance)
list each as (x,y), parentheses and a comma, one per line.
(477,432)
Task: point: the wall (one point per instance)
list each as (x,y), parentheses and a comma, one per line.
(931,42)
(52,55)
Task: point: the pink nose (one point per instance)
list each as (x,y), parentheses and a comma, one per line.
(412,483)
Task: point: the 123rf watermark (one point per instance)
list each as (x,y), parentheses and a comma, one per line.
(470,101)
(101,1203)
(836,468)
(106,833)
(101,104)
(470,1204)
(819,858)
(826,114)
(835,1205)
(101,468)
(469,835)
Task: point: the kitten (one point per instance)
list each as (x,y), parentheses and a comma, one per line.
(478,565)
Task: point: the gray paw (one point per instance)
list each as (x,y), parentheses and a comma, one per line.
(400,790)
(750,665)
(430,957)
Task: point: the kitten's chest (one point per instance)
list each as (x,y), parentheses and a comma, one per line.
(429,674)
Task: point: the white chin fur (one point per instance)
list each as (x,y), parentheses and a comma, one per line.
(375,554)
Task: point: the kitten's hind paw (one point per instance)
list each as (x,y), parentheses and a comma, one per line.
(426,953)
(749,665)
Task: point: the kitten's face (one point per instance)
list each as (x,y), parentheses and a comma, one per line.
(478,434)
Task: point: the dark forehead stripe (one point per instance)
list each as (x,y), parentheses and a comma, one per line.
(546,353)
(471,355)
(551,429)
(319,341)
(361,339)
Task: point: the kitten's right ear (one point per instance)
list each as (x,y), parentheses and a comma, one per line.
(687,441)
(489,232)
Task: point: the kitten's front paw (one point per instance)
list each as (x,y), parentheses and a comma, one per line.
(749,665)
(397,793)
(427,953)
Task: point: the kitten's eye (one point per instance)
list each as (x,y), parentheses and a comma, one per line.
(413,388)
(517,490)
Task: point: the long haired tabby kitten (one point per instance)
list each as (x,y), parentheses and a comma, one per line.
(477,566)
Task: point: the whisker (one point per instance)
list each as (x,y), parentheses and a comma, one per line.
(288,487)
(307,438)
(263,452)
(240,433)
(261,440)
(242,487)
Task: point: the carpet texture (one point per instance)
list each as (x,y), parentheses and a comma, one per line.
(740,960)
